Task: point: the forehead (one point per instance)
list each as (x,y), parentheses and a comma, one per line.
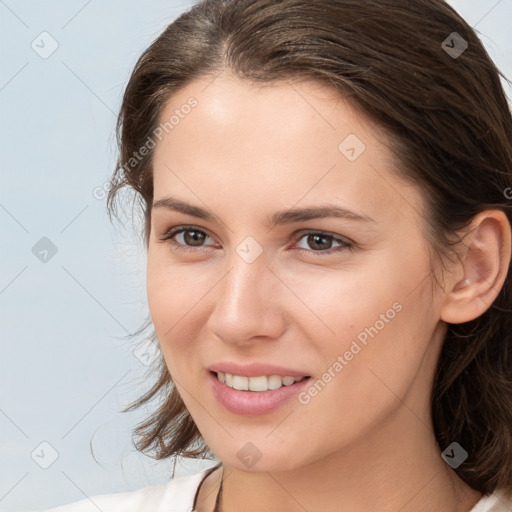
(287,140)
(305,105)
(237,119)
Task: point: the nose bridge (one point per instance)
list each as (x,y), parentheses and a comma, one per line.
(244,303)
(244,286)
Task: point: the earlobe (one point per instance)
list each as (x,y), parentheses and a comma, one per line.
(485,264)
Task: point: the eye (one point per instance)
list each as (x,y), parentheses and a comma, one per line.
(323,242)
(187,238)
(187,235)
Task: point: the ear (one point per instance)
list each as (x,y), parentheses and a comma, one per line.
(482,269)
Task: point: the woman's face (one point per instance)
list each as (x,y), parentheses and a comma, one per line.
(342,298)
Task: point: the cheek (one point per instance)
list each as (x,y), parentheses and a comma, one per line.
(368,330)
(333,307)
(353,329)
(176,294)
(169,296)
(383,353)
(360,383)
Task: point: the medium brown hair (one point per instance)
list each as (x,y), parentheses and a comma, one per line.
(451,128)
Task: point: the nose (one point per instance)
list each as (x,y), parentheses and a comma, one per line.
(248,303)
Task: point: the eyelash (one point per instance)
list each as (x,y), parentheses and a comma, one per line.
(345,244)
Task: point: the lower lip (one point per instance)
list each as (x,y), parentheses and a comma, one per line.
(253,403)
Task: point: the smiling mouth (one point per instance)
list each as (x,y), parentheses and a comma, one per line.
(258,384)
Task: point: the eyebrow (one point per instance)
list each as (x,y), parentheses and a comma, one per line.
(277,218)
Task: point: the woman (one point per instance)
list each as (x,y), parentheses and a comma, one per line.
(326,195)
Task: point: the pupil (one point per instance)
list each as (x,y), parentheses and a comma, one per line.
(193,238)
(315,238)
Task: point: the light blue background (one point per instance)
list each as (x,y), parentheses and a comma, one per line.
(65,370)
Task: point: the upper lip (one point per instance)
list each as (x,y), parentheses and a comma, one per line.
(255,370)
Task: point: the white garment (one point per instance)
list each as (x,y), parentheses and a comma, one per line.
(179,495)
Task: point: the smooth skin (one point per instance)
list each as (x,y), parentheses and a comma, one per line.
(365,442)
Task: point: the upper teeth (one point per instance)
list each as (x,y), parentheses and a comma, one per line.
(263,383)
